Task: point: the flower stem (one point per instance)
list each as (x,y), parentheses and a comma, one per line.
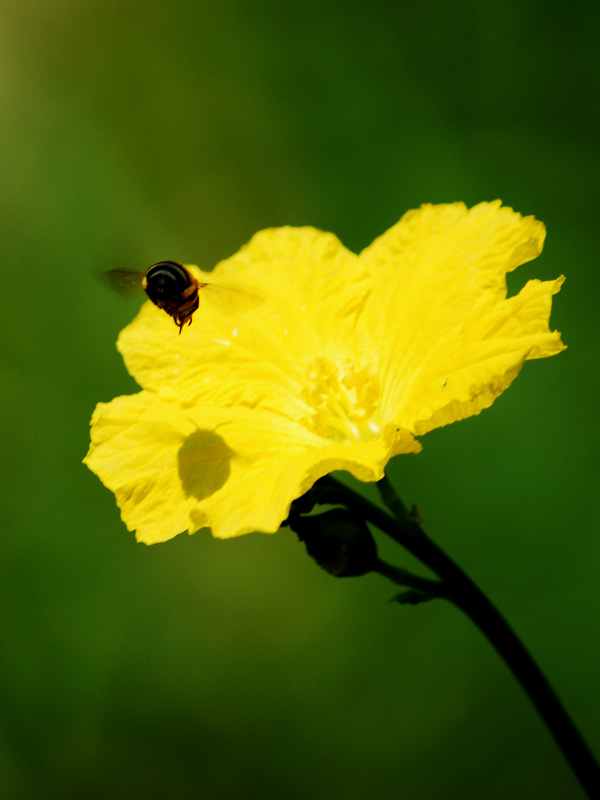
(420,589)
(459,589)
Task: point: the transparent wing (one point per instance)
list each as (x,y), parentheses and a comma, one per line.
(125,281)
(229,298)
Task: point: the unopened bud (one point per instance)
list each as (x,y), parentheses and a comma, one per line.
(339,542)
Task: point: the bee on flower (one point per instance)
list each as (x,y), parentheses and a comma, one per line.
(173,287)
(347,360)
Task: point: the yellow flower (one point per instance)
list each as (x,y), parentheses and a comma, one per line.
(346,359)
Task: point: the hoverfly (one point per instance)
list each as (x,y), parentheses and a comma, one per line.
(172,287)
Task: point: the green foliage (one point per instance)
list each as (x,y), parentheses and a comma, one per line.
(135,132)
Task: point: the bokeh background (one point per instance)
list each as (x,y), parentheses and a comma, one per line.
(133,131)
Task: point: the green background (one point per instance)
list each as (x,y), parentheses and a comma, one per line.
(133,131)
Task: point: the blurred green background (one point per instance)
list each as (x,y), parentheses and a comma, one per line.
(133,131)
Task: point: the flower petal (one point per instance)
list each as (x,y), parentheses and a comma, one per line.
(479,362)
(132,453)
(233,470)
(447,339)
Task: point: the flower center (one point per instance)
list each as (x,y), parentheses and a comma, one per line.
(343,400)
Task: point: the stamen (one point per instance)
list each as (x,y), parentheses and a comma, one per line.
(343,399)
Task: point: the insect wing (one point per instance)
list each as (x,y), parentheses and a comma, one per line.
(229,298)
(125,281)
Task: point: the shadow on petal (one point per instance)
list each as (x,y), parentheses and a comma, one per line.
(204,463)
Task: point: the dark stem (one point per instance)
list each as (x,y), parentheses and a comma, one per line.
(427,588)
(457,587)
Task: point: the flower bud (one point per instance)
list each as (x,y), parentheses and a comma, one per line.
(338,541)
